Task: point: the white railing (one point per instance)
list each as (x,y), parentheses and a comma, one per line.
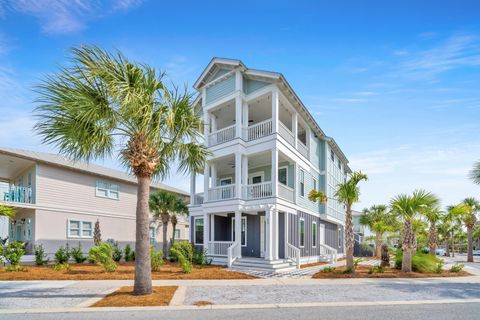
(286,133)
(259,190)
(302,148)
(198,199)
(259,130)
(231,253)
(293,253)
(285,192)
(218,248)
(16,194)
(221,136)
(221,192)
(329,252)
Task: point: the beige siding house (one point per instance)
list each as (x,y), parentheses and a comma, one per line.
(58,202)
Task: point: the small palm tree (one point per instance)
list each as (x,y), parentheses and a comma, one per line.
(348,193)
(162,204)
(467,210)
(180,209)
(444,231)
(475,173)
(102,105)
(408,207)
(433,216)
(7,211)
(380,221)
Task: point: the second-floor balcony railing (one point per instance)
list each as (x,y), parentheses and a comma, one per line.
(285,192)
(259,130)
(17,194)
(221,136)
(286,133)
(221,193)
(258,190)
(302,148)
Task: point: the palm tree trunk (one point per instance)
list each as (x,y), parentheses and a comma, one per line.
(407,246)
(349,237)
(432,239)
(174,225)
(378,245)
(470,243)
(453,244)
(447,249)
(165,219)
(143,275)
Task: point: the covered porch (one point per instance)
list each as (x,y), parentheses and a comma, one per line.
(17,180)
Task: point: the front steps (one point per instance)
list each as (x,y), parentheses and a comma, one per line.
(259,264)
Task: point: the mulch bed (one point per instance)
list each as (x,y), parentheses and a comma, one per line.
(362,272)
(314,264)
(125,271)
(124,297)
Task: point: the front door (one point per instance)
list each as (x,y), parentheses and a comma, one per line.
(18,233)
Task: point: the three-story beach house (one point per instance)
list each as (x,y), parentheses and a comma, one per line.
(268,154)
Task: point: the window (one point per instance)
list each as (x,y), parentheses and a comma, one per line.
(80,229)
(198,232)
(282,175)
(314,234)
(177,233)
(302,232)
(339,165)
(302,183)
(244,231)
(107,190)
(152,235)
(332,155)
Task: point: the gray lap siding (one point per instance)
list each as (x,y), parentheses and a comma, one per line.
(332,237)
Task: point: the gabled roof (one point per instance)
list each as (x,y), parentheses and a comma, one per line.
(58,160)
(217,63)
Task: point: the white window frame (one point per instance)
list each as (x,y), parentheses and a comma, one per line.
(80,229)
(108,190)
(260,174)
(195,230)
(153,239)
(314,237)
(179,233)
(226,178)
(286,174)
(300,233)
(301,181)
(244,218)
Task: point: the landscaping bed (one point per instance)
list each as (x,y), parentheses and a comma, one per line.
(364,272)
(124,297)
(125,271)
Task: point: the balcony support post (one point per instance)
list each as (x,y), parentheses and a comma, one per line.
(274,172)
(295,127)
(238,233)
(193,178)
(238,116)
(275,105)
(206,178)
(244,176)
(238,175)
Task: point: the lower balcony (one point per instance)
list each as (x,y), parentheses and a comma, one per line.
(16,194)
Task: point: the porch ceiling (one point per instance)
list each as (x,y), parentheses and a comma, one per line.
(11,166)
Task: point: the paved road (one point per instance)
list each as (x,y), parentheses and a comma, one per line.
(464,311)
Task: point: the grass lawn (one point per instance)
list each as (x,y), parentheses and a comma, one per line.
(362,272)
(124,297)
(125,271)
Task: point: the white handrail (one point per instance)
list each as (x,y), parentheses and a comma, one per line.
(221,136)
(303,149)
(329,251)
(219,248)
(286,133)
(259,130)
(293,253)
(259,190)
(231,255)
(221,192)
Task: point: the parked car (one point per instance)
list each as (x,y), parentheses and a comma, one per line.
(440,252)
(476,252)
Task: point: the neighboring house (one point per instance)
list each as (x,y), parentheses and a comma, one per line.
(268,154)
(58,202)
(360,233)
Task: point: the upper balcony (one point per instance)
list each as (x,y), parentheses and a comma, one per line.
(17,180)
(254,119)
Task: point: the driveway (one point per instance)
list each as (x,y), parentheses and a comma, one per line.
(472,267)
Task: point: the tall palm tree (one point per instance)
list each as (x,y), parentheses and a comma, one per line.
(475,173)
(7,211)
(444,231)
(380,221)
(162,204)
(408,207)
(348,193)
(102,105)
(468,211)
(433,214)
(180,209)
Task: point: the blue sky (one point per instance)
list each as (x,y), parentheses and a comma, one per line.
(395,83)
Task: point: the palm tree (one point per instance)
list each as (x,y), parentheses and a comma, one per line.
(467,210)
(102,105)
(433,215)
(180,209)
(380,221)
(408,207)
(475,173)
(348,193)
(444,231)
(7,211)
(162,204)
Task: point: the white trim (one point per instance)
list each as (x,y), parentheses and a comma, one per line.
(299,182)
(195,230)
(300,232)
(223,179)
(80,229)
(109,190)
(233,230)
(286,168)
(260,174)
(262,237)
(314,238)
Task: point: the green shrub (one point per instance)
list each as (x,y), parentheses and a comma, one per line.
(376,269)
(357,261)
(13,253)
(440,265)
(457,267)
(40,256)
(183,253)
(156,259)
(117,252)
(77,254)
(200,257)
(61,266)
(62,255)
(328,269)
(102,255)
(348,270)
(129,254)
(425,263)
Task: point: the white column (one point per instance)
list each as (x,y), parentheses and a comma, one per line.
(245,121)
(244,175)
(238,81)
(212,227)
(295,127)
(269,234)
(206,178)
(238,232)
(275,235)
(285,233)
(238,116)
(295,182)
(206,126)
(274,172)
(206,230)
(213,168)
(275,105)
(213,121)
(193,177)
(238,175)
(307,140)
